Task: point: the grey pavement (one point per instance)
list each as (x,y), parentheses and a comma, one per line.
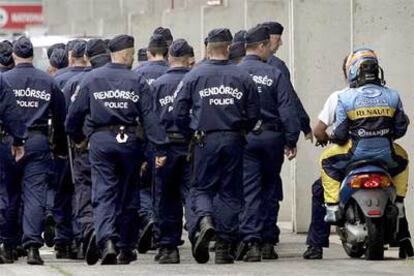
(290,249)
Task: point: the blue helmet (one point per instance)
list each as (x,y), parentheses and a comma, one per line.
(356,59)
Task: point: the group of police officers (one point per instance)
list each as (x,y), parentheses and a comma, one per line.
(102,160)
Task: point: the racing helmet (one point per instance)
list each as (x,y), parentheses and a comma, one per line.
(363,67)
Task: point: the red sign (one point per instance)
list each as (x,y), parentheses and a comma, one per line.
(16,17)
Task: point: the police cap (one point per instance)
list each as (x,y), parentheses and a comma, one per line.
(165,32)
(257,34)
(78,48)
(180,48)
(23,47)
(157,41)
(275,28)
(121,42)
(95,47)
(237,50)
(6,50)
(59,58)
(219,35)
(239,37)
(53,47)
(69,45)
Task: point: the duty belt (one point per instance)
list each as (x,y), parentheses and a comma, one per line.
(267,127)
(122,131)
(116,128)
(178,138)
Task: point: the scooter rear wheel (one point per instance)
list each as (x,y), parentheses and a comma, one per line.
(375,240)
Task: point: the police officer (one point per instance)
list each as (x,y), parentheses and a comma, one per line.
(58,60)
(172,181)
(59,63)
(63,211)
(275,134)
(97,55)
(6,59)
(237,47)
(11,151)
(77,62)
(39,99)
(112,108)
(225,104)
(276,31)
(166,34)
(155,67)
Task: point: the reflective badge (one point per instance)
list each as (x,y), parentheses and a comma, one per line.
(121,137)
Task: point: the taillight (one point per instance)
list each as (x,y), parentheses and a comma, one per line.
(370,181)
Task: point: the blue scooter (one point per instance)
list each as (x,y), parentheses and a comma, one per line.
(369,217)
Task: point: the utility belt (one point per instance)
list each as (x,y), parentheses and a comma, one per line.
(200,136)
(178,138)
(260,127)
(122,131)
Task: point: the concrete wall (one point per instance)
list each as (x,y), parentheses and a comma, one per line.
(318,34)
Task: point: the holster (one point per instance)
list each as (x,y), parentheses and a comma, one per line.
(199,138)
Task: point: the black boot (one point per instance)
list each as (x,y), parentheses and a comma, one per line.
(406,249)
(207,233)
(92,252)
(6,254)
(268,252)
(223,254)
(253,253)
(77,251)
(109,253)
(145,238)
(126,256)
(169,255)
(33,256)
(157,256)
(313,253)
(49,233)
(241,251)
(63,251)
(21,252)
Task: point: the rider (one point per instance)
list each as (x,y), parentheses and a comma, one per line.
(369,117)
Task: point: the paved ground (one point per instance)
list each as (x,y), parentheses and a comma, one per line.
(290,263)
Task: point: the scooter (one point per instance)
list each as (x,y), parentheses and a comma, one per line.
(369,216)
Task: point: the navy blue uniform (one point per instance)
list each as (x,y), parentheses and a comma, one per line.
(81,202)
(263,156)
(12,124)
(152,70)
(224,103)
(172,182)
(62,78)
(109,98)
(62,180)
(303,115)
(38,99)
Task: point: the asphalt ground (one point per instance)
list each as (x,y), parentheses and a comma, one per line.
(291,263)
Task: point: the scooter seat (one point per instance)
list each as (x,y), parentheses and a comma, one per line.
(362,163)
